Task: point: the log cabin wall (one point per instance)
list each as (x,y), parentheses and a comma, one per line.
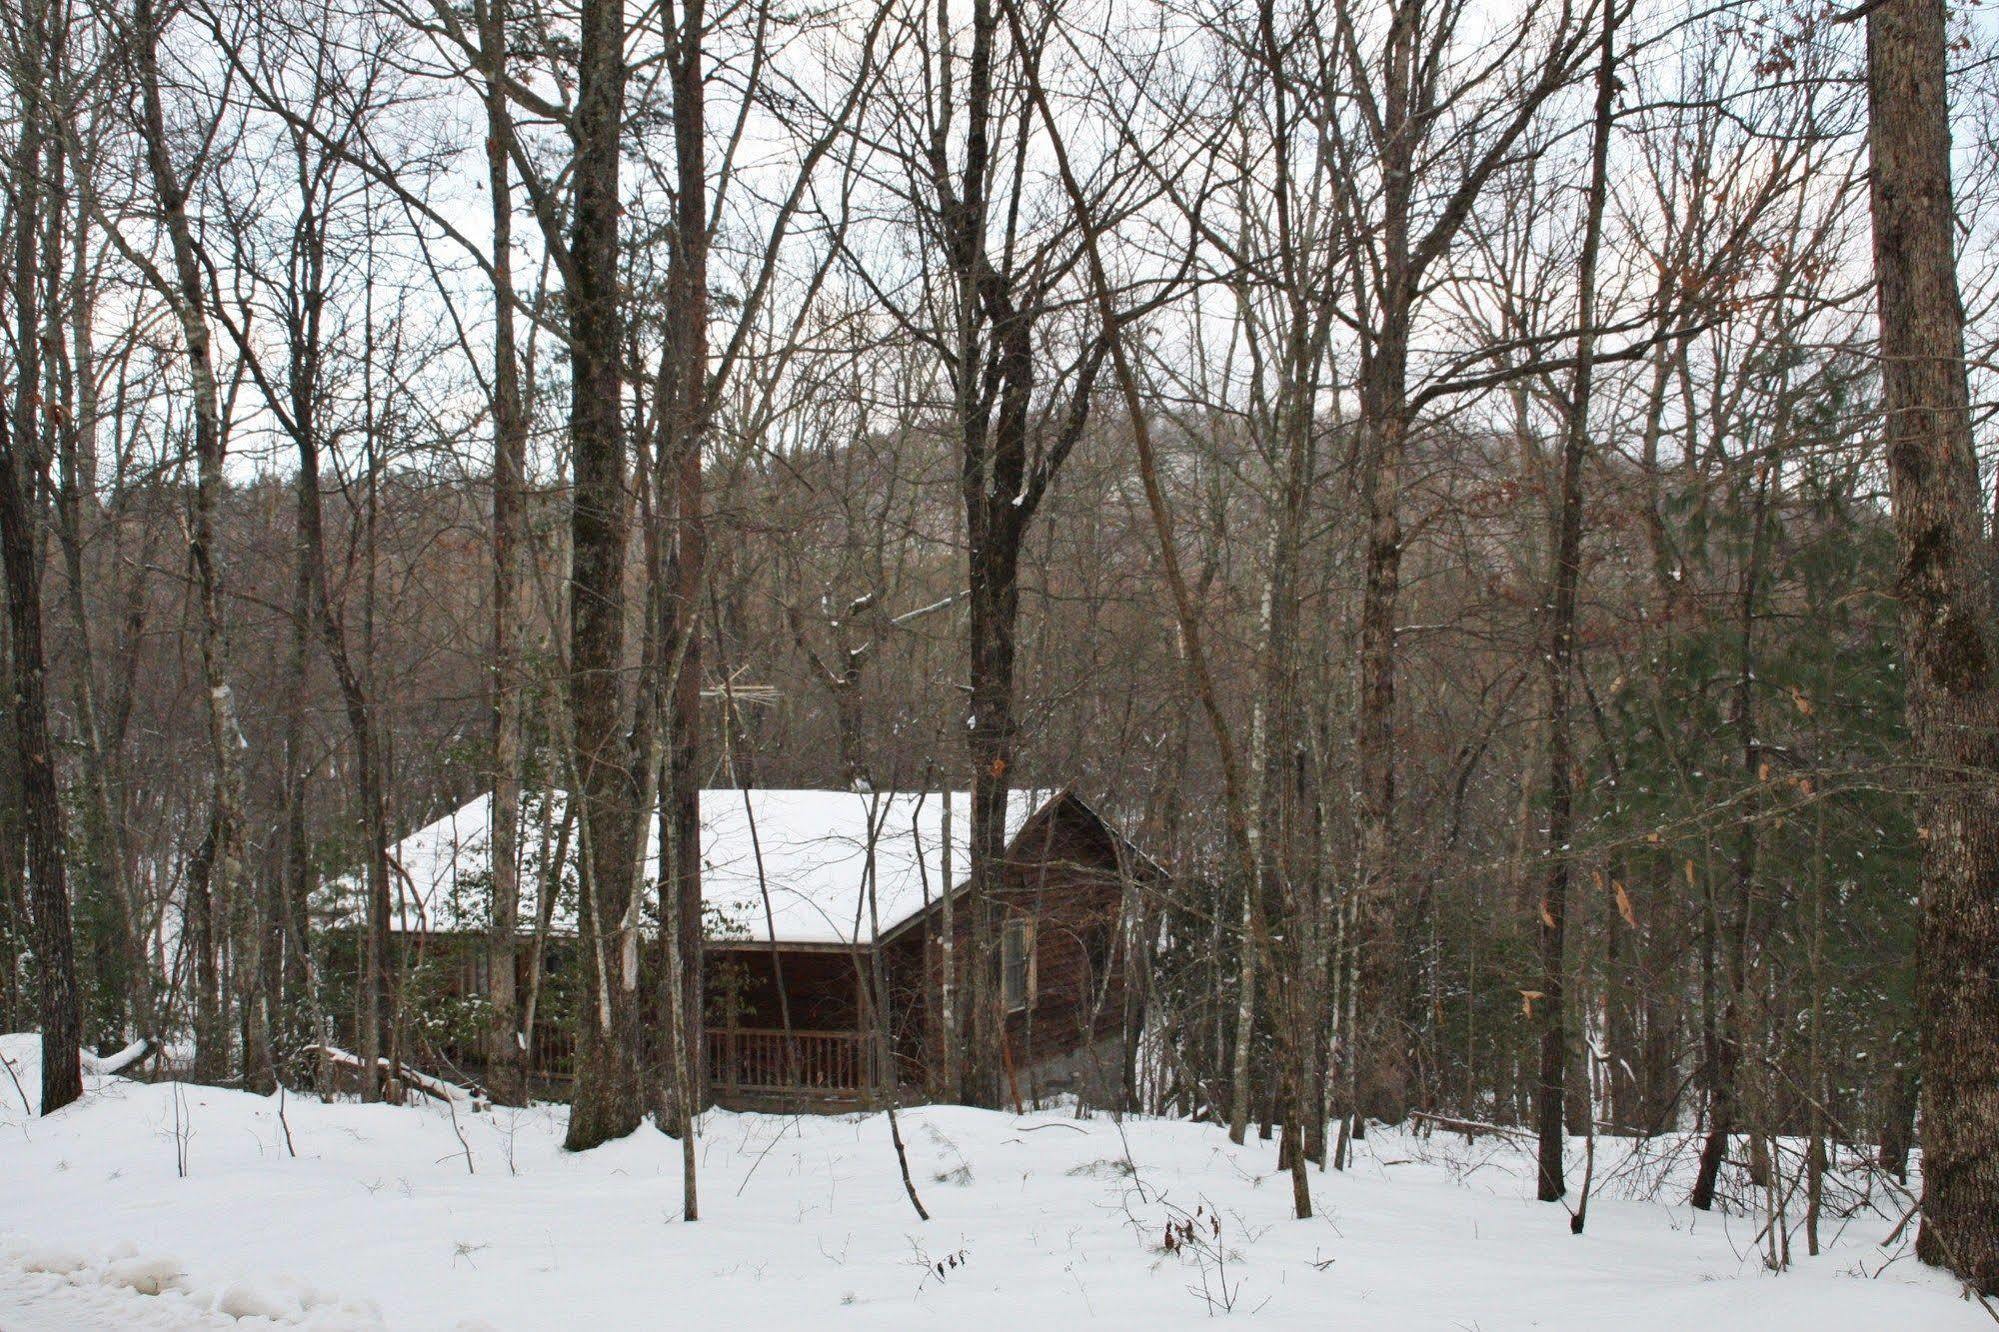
(1064,879)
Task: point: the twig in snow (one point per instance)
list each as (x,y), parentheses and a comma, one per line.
(463,1145)
(17,1084)
(183,1130)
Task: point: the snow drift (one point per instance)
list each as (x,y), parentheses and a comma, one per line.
(169,1205)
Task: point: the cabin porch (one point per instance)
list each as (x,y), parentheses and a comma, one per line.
(793,1029)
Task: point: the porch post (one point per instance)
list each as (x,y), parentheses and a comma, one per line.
(863,1029)
(731,1075)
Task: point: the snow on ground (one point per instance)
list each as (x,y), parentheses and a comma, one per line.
(380,1219)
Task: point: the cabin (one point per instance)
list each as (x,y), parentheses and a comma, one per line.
(805,895)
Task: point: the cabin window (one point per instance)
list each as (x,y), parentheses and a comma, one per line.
(1017,964)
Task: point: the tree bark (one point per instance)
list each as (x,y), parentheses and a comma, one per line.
(1947,628)
(506,1046)
(22,477)
(687,298)
(610,1100)
(48,889)
(1381,1059)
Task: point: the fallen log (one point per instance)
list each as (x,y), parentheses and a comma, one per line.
(435,1088)
(107,1065)
(1472,1128)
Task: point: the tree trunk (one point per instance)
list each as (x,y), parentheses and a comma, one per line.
(184,294)
(22,475)
(506,1046)
(1560,657)
(122,980)
(297,1026)
(204,980)
(1731,1034)
(48,890)
(610,1100)
(16,918)
(376,1007)
(948,1027)
(994,614)
(1947,627)
(687,297)
(1381,1060)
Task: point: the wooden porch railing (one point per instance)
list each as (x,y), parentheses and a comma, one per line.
(758,1059)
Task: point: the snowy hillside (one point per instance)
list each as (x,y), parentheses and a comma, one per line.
(373,1216)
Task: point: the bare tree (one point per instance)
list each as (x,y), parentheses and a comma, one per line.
(24,479)
(1408,80)
(1550,1093)
(185,292)
(991,303)
(506,1056)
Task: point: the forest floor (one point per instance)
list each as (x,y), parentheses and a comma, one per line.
(175,1206)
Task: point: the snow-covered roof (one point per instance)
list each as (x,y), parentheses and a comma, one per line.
(808,849)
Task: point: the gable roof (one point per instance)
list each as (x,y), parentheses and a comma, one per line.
(809,849)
